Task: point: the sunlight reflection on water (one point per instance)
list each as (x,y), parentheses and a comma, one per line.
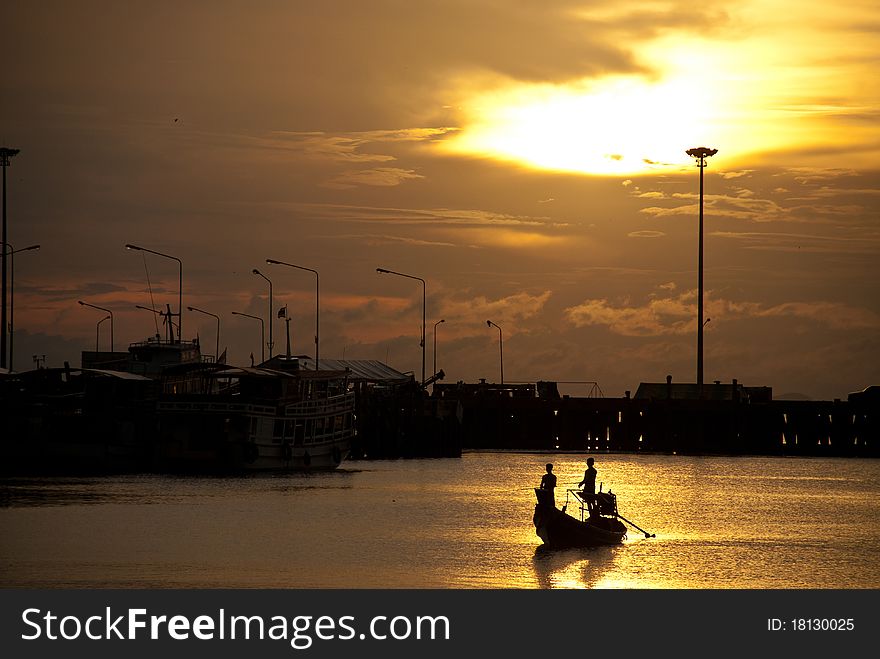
(720,523)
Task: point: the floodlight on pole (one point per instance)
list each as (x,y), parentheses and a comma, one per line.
(179,289)
(700,153)
(5,154)
(385,271)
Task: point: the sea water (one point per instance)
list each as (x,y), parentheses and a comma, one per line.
(720,522)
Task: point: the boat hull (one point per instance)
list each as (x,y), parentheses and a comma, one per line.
(559,530)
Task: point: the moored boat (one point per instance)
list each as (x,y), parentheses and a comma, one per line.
(599,523)
(219,418)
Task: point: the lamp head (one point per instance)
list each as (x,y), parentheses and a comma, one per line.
(190,309)
(701,152)
(255,271)
(272,261)
(488,323)
(82,303)
(382,270)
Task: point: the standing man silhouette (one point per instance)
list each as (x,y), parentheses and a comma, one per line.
(589,481)
(548,482)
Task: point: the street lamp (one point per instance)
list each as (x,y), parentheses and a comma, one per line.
(271,343)
(435,345)
(179,289)
(86,304)
(208,313)
(5,154)
(317,304)
(262,333)
(489,323)
(700,153)
(424,300)
(12,252)
(98,330)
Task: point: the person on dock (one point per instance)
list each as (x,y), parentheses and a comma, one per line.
(589,481)
(548,482)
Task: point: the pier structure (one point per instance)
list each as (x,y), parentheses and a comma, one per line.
(730,419)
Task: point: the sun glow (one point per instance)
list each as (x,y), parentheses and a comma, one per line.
(615,126)
(756,96)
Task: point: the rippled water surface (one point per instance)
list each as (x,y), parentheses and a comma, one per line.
(720,523)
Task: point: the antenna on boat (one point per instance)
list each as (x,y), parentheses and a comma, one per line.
(150,287)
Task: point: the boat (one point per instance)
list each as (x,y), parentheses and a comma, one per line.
(213,417)
(599,523)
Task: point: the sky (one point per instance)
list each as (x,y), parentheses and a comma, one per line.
(526,159)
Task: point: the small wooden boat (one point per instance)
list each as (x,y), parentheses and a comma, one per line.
(599,522)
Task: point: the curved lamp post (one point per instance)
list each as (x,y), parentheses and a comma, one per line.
(98,330)
(424,299)
(700,153)
(435,345)
(208,313)
(489,323)
(271,343)
(180,284)
(262,333)
(12,252)
(317,304)
(94,306)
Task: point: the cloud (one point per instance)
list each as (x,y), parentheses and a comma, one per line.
(380,177)
(376,239)
(346,147)
(799,242)
(677,315)
(807,175)
(440,217)
(506,311)
(645,234)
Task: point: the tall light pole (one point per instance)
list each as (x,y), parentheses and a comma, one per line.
(98,330)
(213,315)
(179,289)
(12,253)
(435,345)
(271,343)
(317,305)
(489,323)
(93,306)
(700,153)
(424,304)
(262,333)
(5,154)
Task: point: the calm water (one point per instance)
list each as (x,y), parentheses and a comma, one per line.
(720,523)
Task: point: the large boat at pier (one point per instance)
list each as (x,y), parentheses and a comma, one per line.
(212,417)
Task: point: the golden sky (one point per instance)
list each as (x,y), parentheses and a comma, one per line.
(526,159)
